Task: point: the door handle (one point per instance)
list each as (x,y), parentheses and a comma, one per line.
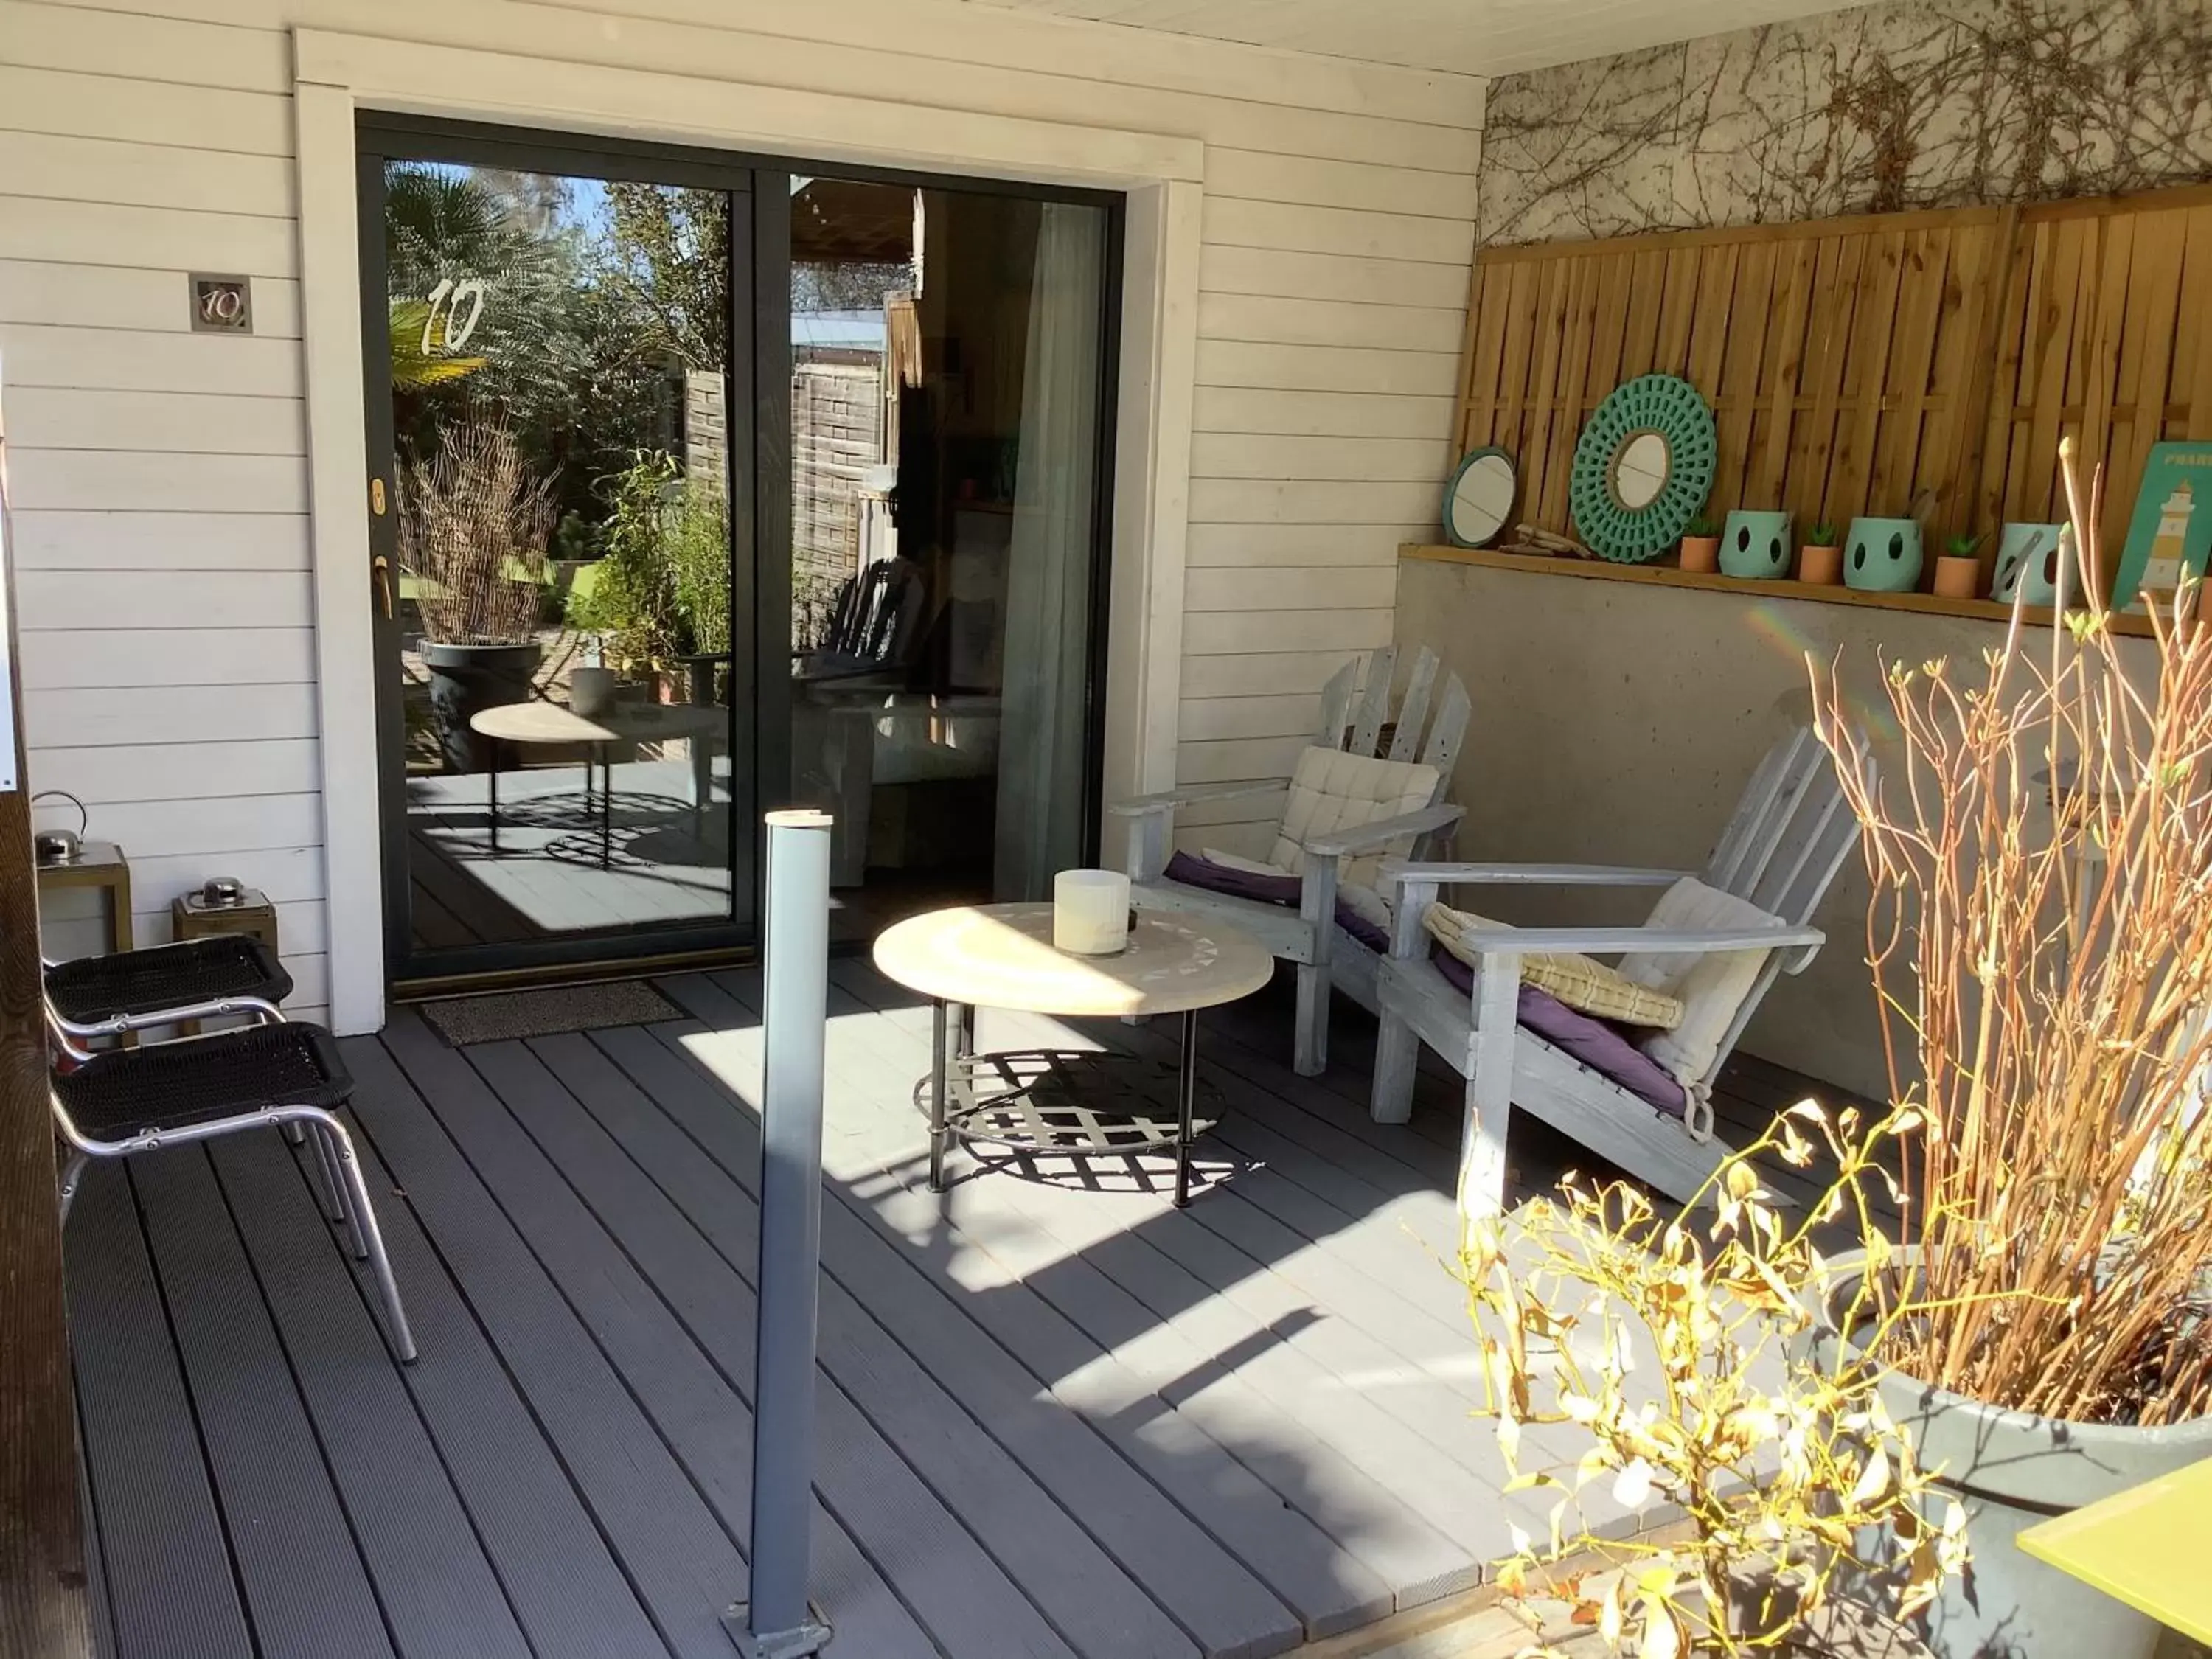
(381,568)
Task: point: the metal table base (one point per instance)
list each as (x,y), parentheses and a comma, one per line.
(1075,1102)
(598,757)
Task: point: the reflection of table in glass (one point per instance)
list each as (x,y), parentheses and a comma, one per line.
(521,724)
(1066,1100)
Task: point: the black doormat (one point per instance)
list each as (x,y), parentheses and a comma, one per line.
(508,1015)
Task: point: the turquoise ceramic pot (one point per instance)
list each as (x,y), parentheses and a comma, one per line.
(2027,564)
(1756,545)
(1882,556)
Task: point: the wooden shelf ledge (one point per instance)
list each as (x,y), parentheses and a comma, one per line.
(1663,576)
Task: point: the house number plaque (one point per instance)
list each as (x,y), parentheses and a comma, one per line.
(222,305)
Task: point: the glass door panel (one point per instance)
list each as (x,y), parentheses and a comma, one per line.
(554,562)
(948,419)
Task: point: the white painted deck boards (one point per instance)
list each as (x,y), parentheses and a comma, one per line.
(1057,1417)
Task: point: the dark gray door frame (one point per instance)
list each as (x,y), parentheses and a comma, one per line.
(383,137)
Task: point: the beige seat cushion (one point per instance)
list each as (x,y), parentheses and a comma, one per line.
(1711,986)
(1578,981)
(1332,790)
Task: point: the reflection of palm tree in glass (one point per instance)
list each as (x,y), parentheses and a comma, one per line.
(586,303)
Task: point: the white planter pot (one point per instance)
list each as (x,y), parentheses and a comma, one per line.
(591,692)
(2012,1469)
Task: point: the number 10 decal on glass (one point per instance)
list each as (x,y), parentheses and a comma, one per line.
(454,296)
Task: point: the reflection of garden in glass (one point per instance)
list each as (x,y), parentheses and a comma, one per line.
(585,322)
(559,467)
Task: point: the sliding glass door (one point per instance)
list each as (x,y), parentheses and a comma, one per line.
(560,468)
(700,485)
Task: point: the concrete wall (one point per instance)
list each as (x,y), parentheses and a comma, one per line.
(1617,724)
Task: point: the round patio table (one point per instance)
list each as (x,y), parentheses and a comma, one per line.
(1072,1101)
(520,724)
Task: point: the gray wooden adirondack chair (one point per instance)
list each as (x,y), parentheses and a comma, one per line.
(1355,714)
(1789,834)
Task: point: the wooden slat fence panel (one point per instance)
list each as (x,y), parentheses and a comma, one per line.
(2192,366)
(1860,365)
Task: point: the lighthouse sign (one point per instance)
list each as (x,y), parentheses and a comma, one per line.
(2171,529)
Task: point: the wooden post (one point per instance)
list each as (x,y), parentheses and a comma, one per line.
(44,1609)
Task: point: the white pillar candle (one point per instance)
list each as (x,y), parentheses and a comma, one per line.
(1091,912)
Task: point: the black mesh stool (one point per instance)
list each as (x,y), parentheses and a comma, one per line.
(93,997)
(124,1101)
(165,984)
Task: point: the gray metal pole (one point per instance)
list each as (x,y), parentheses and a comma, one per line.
(779,1622)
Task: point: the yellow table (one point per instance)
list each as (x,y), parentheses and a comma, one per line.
(2145,1547)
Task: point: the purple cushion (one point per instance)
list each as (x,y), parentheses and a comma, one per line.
(1597,1043)
(1193,872)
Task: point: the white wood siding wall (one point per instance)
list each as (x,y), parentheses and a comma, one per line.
(1333,294)
(159,479)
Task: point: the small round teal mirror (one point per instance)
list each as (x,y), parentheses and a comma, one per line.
(1479,497)
(1643,467)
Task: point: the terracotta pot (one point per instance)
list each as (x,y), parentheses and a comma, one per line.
(1822,566)
(1701,554)
(1957,578)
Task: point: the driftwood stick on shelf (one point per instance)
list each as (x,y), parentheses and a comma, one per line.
(1549,541)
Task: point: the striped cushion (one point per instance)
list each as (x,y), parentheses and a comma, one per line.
(1573,978)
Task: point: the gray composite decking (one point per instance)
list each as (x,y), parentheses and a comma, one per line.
(1056,1417)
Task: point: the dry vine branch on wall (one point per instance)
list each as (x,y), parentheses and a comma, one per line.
(1869,110)
(2041,932)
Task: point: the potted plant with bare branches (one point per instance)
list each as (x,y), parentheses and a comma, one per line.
(2041,937)
(473,526)
(1672,1345)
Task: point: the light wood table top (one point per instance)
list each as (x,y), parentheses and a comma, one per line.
(2144,1546)
(549,722)
(1001,956)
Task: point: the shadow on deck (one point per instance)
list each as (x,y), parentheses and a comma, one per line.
(1056,1417)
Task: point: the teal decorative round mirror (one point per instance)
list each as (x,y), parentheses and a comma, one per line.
(1643,468)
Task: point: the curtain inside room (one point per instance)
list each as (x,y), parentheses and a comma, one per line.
(1041,748)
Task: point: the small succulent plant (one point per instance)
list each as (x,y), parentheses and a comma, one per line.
(1826,534)
(1702,527)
